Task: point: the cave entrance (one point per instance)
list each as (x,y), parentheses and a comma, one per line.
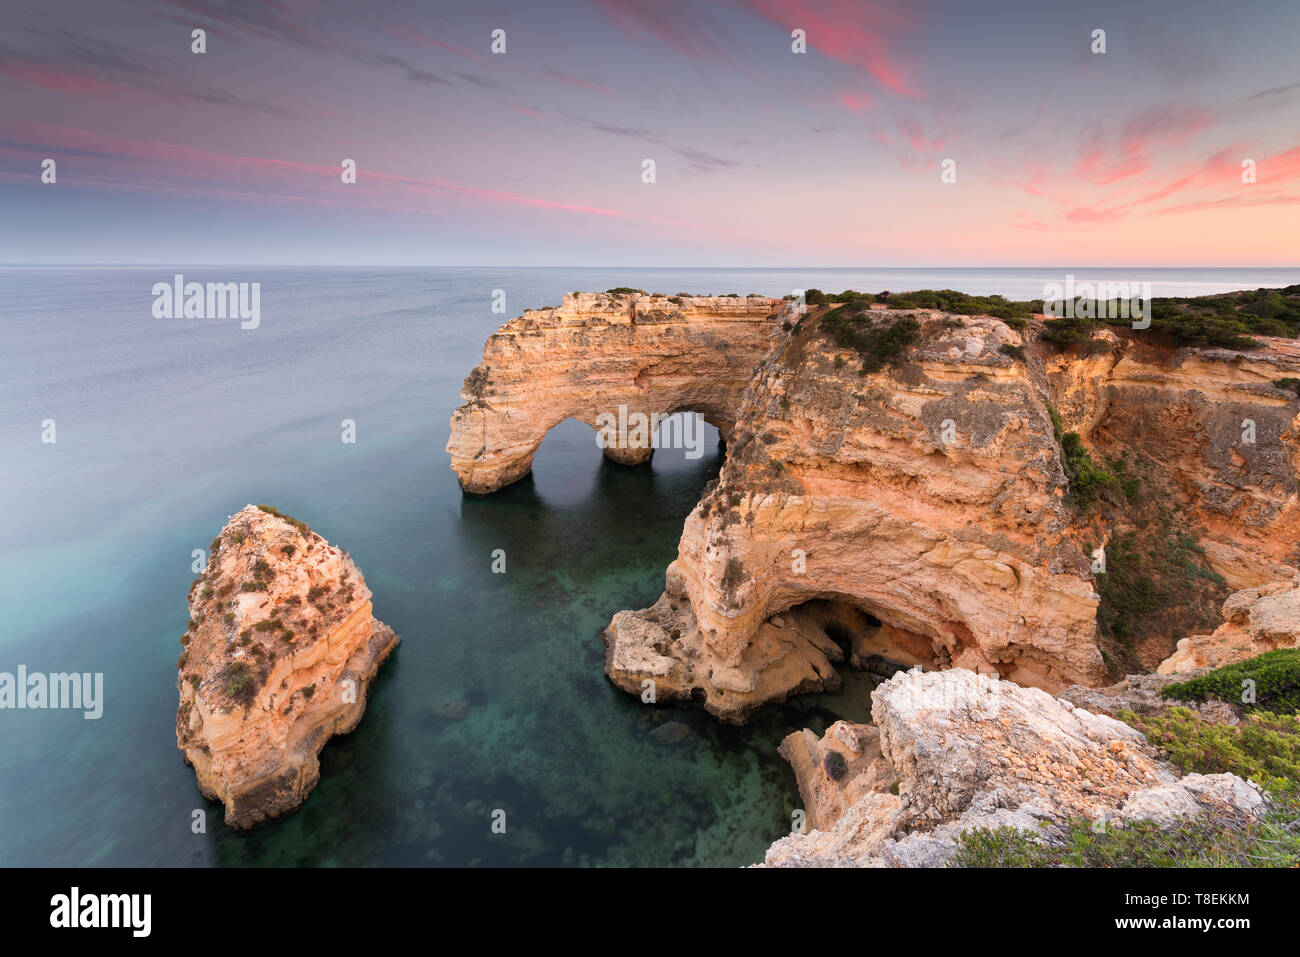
(865,643)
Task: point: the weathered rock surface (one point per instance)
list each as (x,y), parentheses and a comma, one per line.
(958,751)
(931,496)
(1256,620)
(595,353)
(928,498)
(280,654)
(1141,695)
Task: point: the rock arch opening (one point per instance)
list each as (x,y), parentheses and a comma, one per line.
(852,633)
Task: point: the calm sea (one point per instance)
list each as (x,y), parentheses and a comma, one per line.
(166,427)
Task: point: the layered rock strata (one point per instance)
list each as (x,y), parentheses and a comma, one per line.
(279,656)
(925,498)
(595,355)
(951,751)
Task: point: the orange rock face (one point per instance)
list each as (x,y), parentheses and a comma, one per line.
(280,654)
(927,499)
(597,352)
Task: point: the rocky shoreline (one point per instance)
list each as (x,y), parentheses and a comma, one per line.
(923,518)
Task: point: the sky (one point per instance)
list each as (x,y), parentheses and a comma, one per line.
(763,156)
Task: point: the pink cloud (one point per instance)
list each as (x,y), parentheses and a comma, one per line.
(854,32)
(855,102)
(142,163)
(36,75)
(576,81)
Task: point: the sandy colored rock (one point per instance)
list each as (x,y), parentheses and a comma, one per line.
(281,652)
(927,498)
(1256,620)
(959,750)
(595,353)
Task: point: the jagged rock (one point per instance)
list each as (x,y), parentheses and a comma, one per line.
(842,486)
(959,751)
(281,652)
(927,498)
(1141,695)
(595,353)
(1189,796)
(1256,620)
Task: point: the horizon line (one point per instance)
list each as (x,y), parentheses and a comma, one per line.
(328,265)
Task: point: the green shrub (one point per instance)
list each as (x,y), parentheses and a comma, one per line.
(1276,678)
(1289,384)
(298,524)
(877,341)
(1264,748)
(1216,839)
(239,683)
(962,304)
(1016,352)
(1087,480)
(1073,333)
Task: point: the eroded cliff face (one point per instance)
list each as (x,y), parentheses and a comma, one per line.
(280,653)
(595,353)
(917,514)
(1212,422)
(928,495)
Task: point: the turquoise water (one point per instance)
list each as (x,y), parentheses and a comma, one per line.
(166,427)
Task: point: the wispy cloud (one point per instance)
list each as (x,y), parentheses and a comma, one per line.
(60,60)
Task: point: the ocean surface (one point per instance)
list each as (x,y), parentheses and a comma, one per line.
(164,428)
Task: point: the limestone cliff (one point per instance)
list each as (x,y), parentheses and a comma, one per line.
(595,353)
(280,653)
(1256,620)
(915,511)
(952,751)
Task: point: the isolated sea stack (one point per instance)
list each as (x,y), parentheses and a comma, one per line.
(281,649)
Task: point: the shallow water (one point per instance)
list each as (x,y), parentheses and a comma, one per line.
(166,427)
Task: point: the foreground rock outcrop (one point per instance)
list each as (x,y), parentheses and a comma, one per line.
(951,751)
(280,653)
